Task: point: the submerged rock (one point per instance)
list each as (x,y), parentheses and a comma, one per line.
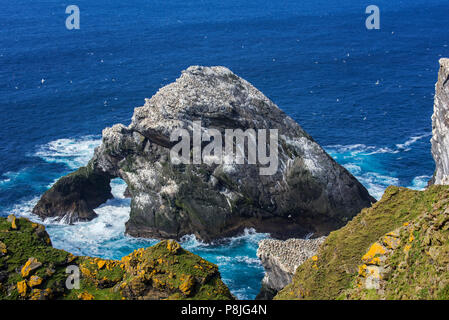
(280,260)
(440,125)
(307,192)
(31,269)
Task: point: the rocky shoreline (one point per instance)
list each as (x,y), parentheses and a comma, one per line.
(280,260)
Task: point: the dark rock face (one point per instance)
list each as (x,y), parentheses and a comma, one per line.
(309,191)
(74,196)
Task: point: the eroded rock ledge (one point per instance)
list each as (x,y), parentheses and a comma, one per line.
(280,260)
(309,192)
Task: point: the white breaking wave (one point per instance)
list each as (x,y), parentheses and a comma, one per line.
(363,149)
(249,235)
(359,165)
(238,259)
(359,149)
(72,152)
(420,182)
(405,146)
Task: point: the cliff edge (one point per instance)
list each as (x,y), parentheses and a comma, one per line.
(440,125)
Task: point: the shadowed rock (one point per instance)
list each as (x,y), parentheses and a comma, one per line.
(73,197)
(309,191)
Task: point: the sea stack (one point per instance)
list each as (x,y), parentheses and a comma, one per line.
(440,125)
(307,192)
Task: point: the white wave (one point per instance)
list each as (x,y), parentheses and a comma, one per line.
(10,177)
(376,183)
(5,181)
(405,146)
(357,149)
(353,168)
(72,152)
(224,260)
(363,149)
(23,209)
(249,235)
(420,182)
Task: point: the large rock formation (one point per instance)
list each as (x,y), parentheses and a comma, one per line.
(31,269)
(308,192)
(440,125)
(280,260)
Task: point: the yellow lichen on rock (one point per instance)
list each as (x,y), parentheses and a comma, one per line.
(391,240)
(85,296)
(39,294)
(3,249)
(362,270)
(100,264)
(34,281)
(187,285)
(173,246)
(407,248)
(372,256)
(29,266)
(22,288)
(12,219)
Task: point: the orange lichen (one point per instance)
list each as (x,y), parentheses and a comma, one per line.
(101,263)
(29,266)
(187,285)
(22,288)
(12,220)
(34,281)
(85,296)
(173,246)
(362,270)
(3,249)
(371,257)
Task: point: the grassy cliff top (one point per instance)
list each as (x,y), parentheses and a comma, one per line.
(30,268)
(397,249)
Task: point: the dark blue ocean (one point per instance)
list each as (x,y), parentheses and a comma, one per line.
(365,95)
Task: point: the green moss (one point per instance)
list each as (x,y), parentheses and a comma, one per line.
(340,255)
(158,272)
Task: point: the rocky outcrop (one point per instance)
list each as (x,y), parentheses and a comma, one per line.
(307,192)
(280,260)
(31,269)
(397,249)
(440,125)
(74,197)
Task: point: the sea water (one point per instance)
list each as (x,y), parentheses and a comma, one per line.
(365,95)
